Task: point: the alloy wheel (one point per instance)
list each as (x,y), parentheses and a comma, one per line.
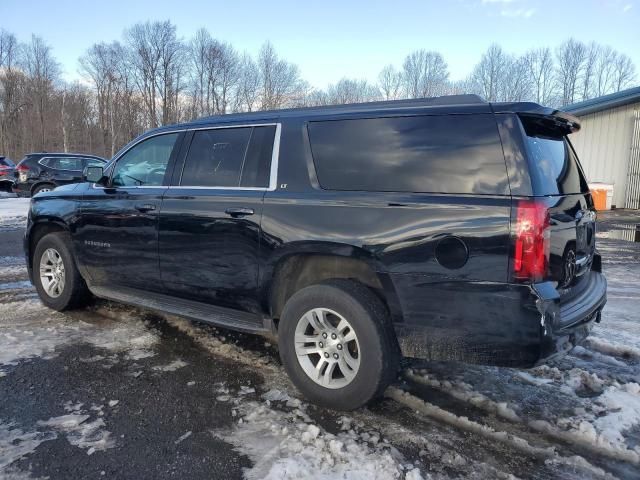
(52,274)
(327,348)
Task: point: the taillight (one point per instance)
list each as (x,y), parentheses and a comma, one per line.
(22,168)
(532,241)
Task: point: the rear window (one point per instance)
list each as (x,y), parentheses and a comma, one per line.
(63,163)
(429,154)
(553,165)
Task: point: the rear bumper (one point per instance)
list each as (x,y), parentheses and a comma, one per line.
(21,187)
(491,323)
(568,324)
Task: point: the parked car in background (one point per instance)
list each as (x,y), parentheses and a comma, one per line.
(42,172)
(6,174)
(443,229)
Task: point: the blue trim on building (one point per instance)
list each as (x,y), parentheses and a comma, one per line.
(618,99)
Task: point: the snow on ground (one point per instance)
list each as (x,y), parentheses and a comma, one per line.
(287,444)
(578,417)
(28,330)
(13,211)
(16,443)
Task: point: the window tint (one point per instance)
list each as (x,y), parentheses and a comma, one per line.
(145,163)
(229,157)
(436,154)
(553,166)
(257,163)
(93,162)
(64,163)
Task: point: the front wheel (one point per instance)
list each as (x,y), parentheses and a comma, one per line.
(56,277)
(337,345)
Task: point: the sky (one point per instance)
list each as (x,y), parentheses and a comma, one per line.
(330,39)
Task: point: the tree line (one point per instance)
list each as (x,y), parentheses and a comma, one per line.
(152,77)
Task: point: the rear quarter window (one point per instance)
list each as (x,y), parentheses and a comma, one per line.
(424,154)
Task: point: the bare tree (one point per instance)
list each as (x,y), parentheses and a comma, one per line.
(571,56)
(390,82)
(215,74)
(489,74)
(155,78)
(604,71)
(539,64)
(424,74)
(100,65)
(280,83)
(351,91)
(11,84)
(516,84)
(156,57)
(42,72)
(624,72)
(248,89)
(590,63)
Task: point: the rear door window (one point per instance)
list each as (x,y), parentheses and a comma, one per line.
(230,157)
(433,154)
(64,163)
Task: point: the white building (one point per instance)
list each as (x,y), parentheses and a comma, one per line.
(608,143)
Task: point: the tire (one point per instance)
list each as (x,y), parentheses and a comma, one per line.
(43,187)
(73,292)
(376,345)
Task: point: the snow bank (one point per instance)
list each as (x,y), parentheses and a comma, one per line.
(288,445)
(548,454)
(464,423)
(13,211)
(211,341)
(464,392)
(612,348)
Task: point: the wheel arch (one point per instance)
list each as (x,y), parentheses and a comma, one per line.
(39,184)
(38,230)
(302,267)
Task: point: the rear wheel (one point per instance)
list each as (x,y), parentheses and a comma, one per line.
(337,345)
(56,277)
(46,187)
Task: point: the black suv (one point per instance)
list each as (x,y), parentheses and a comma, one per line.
(444,229)
(6,174)
(42,172)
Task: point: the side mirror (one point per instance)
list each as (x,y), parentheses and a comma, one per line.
(93,174)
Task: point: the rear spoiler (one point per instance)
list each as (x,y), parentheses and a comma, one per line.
(547,120)
(557,124)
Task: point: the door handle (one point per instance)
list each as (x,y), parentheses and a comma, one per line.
(145,207)
(239,212)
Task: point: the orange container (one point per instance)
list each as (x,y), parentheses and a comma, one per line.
(599,198)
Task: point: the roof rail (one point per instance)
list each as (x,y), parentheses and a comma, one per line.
(444,100)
